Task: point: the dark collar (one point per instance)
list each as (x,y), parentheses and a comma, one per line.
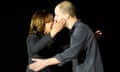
(73,28)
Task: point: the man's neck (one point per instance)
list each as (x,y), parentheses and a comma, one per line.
(71,22)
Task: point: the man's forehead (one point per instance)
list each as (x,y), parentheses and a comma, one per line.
(56,9)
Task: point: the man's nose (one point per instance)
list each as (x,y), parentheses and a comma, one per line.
(55,18)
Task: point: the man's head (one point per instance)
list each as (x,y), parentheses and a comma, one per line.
(64,10)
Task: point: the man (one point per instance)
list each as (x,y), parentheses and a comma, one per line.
(83,50)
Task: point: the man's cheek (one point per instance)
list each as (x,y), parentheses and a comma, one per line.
(60,18)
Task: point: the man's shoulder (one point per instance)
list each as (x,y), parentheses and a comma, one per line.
(81,25)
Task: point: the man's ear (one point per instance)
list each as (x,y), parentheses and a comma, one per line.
(66,17)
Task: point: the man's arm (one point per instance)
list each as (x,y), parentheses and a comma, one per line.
(40,64)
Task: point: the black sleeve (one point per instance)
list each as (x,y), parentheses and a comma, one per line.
(36,43)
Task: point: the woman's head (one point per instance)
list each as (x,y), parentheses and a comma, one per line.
(41,21)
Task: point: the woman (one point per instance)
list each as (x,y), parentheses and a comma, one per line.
(39,42)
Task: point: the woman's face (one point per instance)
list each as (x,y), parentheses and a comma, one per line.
(49,24)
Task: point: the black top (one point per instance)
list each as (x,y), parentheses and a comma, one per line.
(43,46)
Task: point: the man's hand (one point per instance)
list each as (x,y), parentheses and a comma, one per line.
(38,64)
(98,34)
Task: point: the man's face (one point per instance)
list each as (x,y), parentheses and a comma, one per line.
(58,14)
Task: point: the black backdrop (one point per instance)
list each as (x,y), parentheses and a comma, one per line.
(16,15)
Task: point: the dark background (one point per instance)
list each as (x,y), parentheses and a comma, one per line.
(16,19)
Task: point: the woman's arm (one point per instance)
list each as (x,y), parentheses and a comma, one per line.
(36,43)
